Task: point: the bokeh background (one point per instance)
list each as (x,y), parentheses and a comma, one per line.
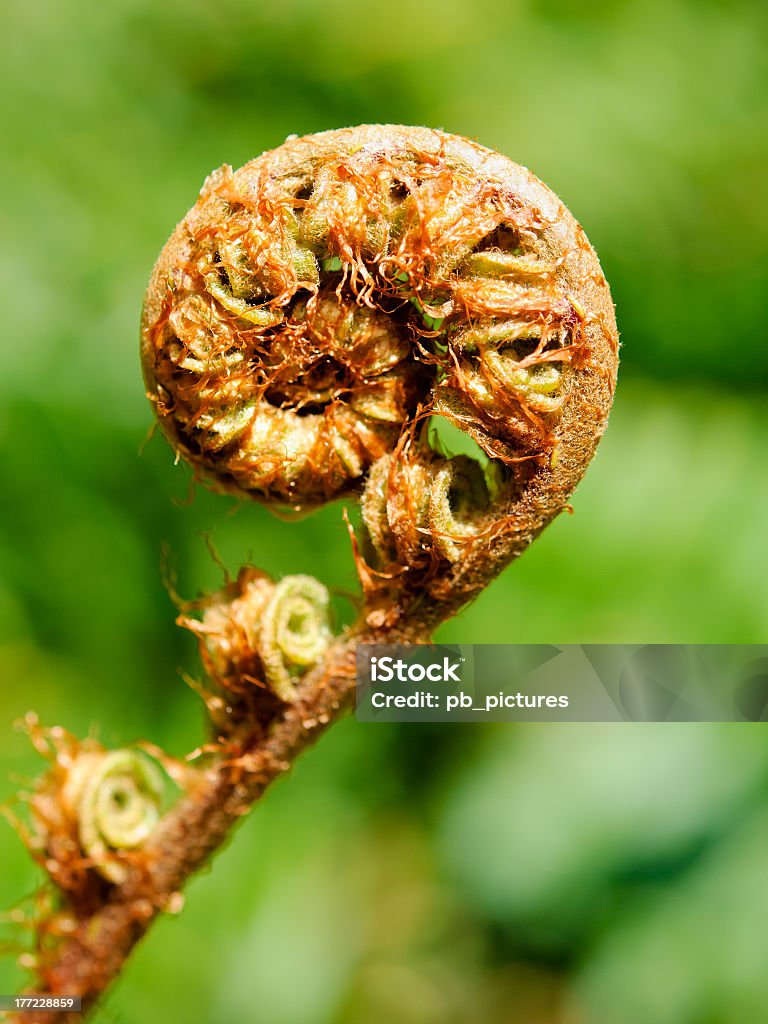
(412,874)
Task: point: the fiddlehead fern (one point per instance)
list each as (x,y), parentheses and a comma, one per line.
(318,306)
(305,322)
(94,810)
(294,632)
(258,633)
(116,798)
(316,303)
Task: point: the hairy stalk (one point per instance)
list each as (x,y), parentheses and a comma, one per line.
(92,955)
(306,322)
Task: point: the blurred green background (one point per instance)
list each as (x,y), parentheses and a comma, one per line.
(411,874)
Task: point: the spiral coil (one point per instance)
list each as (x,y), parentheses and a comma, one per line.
(256,632)
(316,306)
(116,798)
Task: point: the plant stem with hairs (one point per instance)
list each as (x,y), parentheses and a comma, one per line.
(308,320)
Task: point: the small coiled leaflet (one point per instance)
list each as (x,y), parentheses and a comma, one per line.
(294,631)
(258,631)
(116,799)
(414,509)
